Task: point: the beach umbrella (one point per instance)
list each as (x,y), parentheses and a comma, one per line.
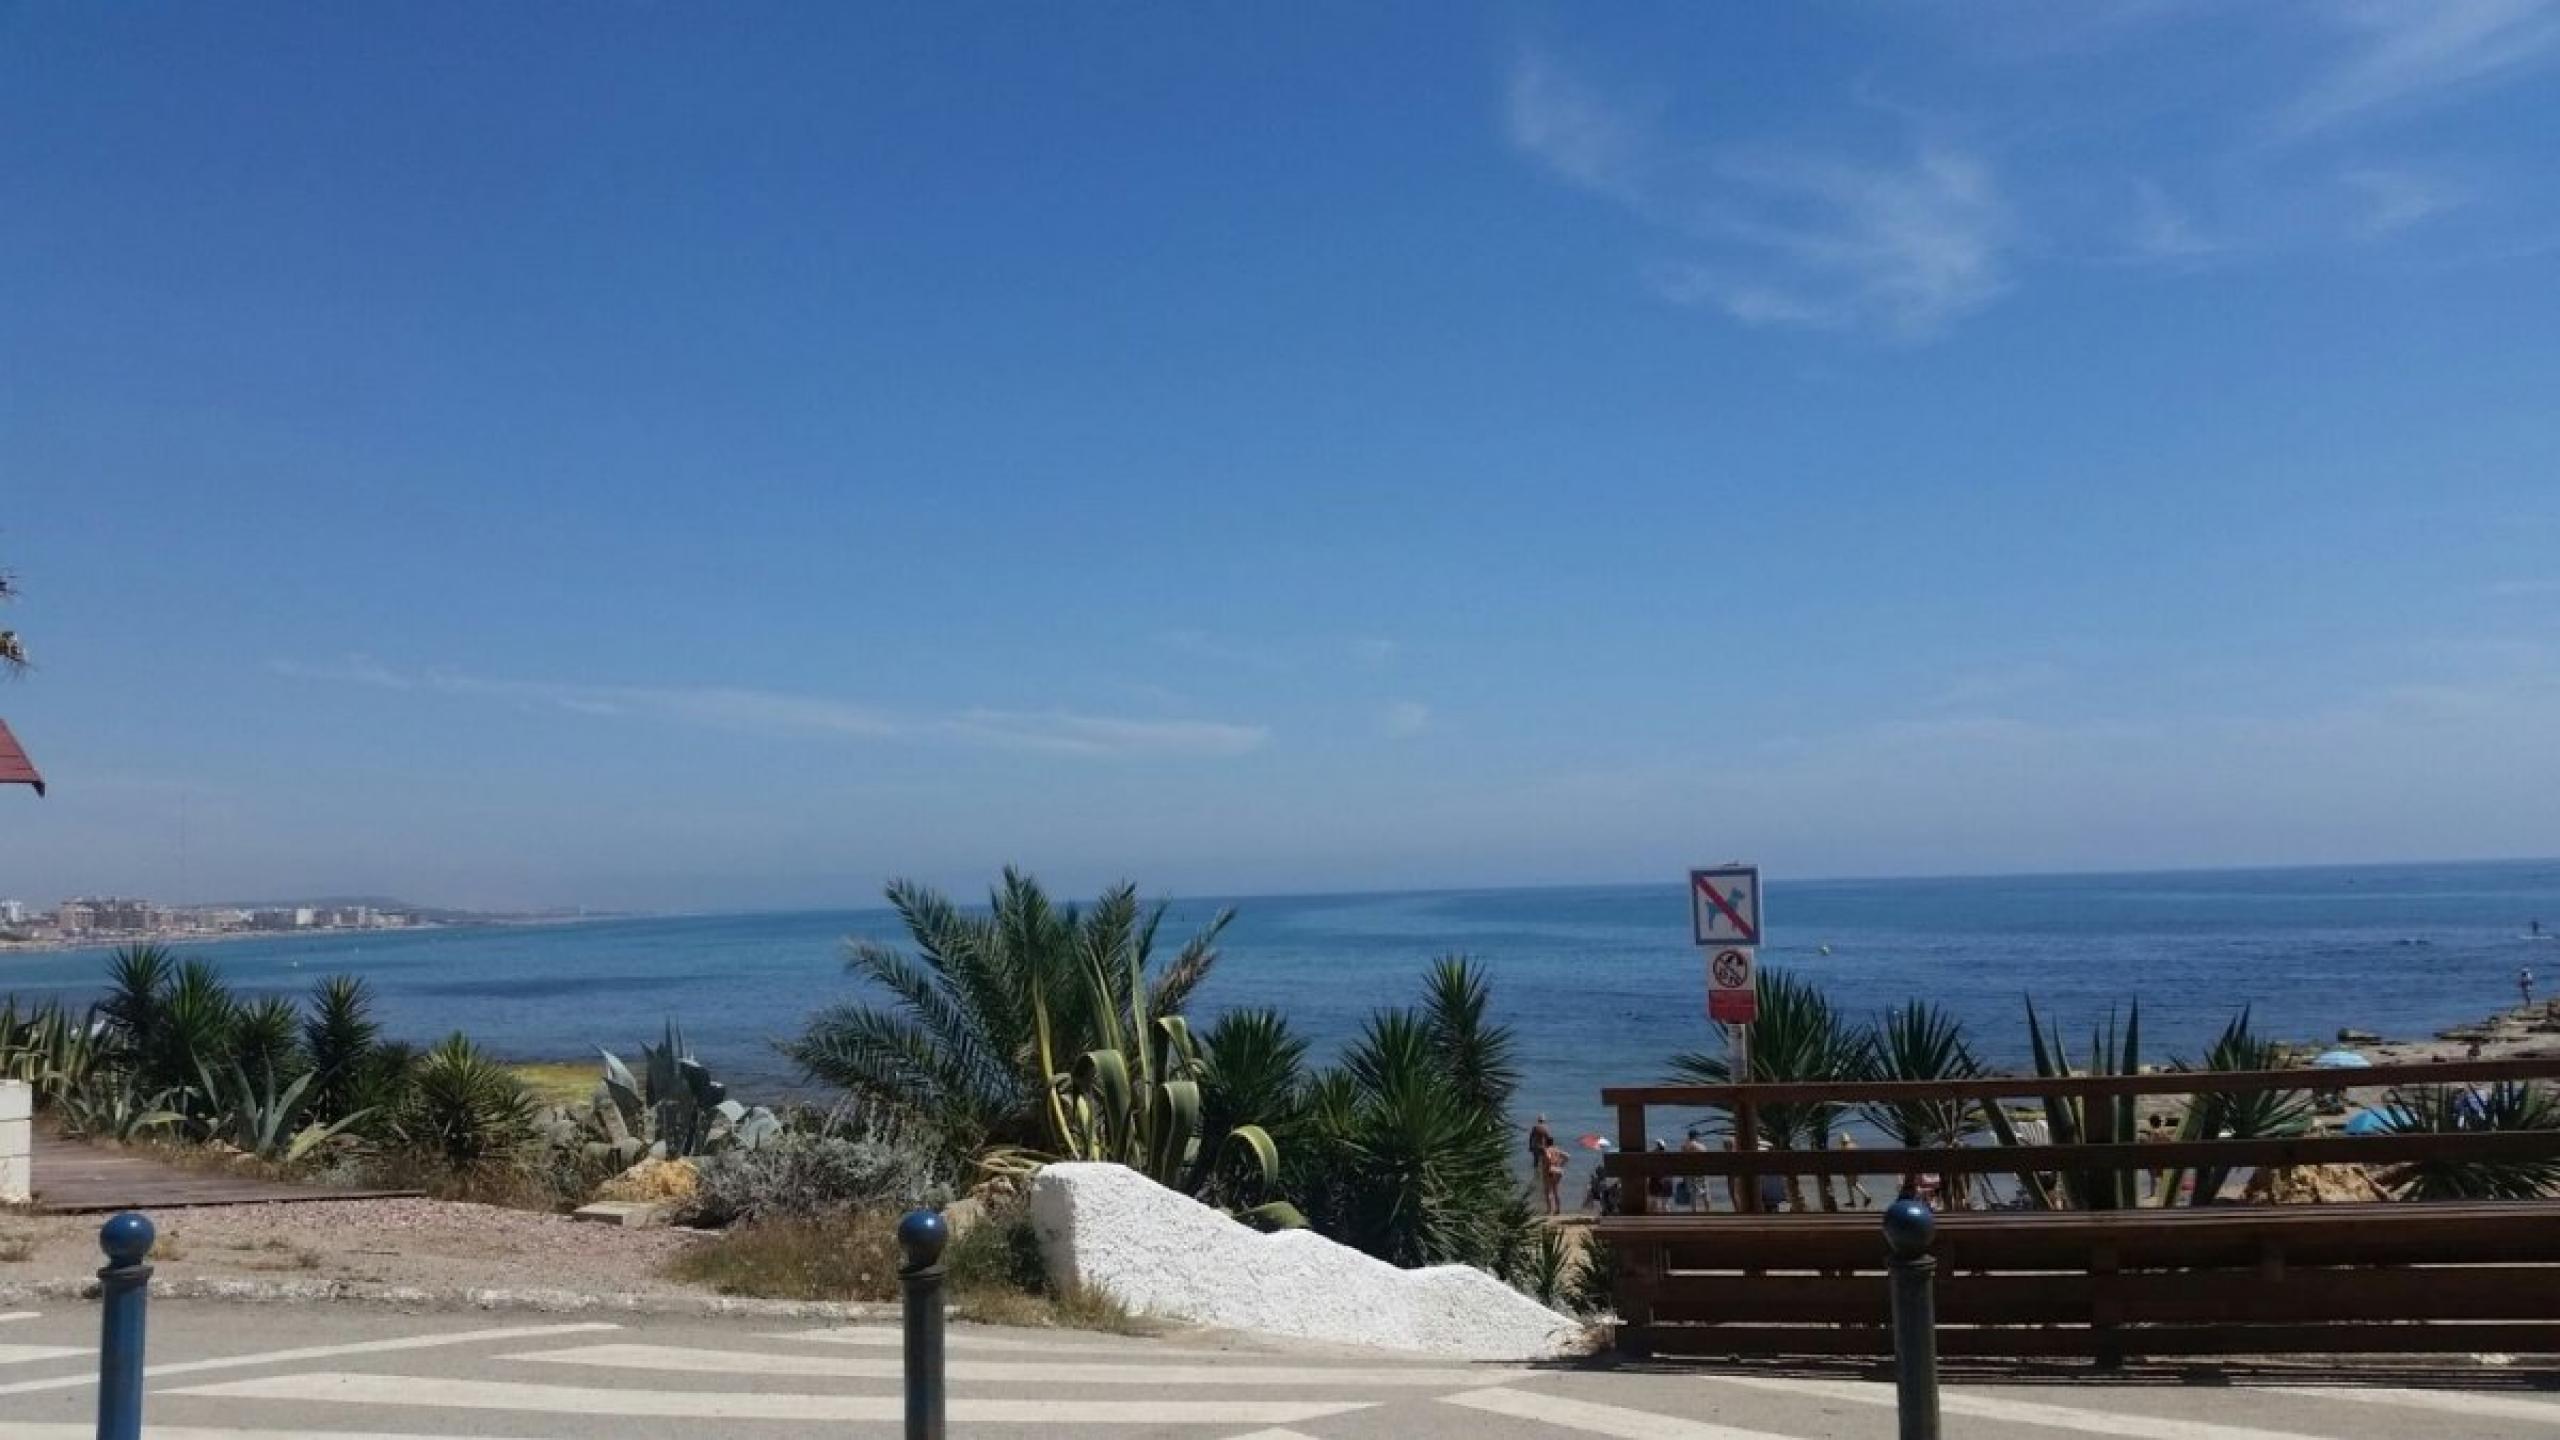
(2341,1060)
(15,767)
(2376,1120)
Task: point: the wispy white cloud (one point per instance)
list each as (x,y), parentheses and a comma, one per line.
(1597,140)
(2409,53)
(780,714)
(2165,231)
(2398,199)
(1779,236)
(1062,732)
(1404,719)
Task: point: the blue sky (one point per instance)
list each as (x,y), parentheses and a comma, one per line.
(723,456)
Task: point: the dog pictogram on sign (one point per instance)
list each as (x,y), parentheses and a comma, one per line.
(1724,905)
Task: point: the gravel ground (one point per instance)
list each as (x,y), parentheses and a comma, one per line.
(424,1244)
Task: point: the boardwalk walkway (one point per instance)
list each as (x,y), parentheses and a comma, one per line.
(72,1178)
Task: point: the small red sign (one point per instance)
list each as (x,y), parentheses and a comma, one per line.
(1733,1007)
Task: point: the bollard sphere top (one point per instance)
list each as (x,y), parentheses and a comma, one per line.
(922,1234)
(126,1238)
(1909,1227)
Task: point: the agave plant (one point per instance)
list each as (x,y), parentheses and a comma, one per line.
(672,1109)
(1799,1036)
(2070,1118)
(2231,1115)
(958,1044)
(265,1118)
(1137,1097)
(104,1107)
(46,1046)
(2508,1105)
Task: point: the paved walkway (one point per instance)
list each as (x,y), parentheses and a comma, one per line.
(72,1178)
(358,1373)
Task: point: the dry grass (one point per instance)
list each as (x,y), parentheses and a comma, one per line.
(851,1259)
(558,1082)
(1078,1309)
(17,1249)
(994,1276)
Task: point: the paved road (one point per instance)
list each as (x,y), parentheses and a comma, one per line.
(222,1372)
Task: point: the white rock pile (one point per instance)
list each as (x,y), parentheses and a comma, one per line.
(1165,1254)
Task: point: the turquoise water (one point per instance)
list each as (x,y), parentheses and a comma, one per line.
(1601,982)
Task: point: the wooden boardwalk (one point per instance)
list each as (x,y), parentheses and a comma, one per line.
(73,1178)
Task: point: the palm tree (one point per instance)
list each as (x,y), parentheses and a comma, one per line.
(2454,1110)
(1919,1041)
(1800,1036)
(992,1006)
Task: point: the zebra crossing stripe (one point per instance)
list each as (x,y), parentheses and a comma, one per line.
(8,1315)
(958,1339)
(1014,1372)
(2020,1412)
(29,1354)
(320,1352)
(456,1394)
(57,1430)
(1596,1419)
(2451,1402)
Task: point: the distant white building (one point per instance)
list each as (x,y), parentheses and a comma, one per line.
(13,912)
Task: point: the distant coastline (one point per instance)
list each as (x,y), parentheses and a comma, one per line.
(104,943)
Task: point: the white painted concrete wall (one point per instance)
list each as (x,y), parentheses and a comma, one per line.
(1165,1254)
(17,1142)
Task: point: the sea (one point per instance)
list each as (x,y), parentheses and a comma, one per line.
(1600,983)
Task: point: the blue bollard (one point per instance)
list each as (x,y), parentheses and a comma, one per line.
(124,1288)
(1909,1227)
(922,1234)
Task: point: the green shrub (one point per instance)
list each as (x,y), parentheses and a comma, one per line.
(463,1109)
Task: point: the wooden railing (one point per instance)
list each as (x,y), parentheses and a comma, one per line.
(1634,1163)
(2215,1279)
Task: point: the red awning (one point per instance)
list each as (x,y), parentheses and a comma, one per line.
(15,767)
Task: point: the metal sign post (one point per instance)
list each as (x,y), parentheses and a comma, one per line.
(1724,914)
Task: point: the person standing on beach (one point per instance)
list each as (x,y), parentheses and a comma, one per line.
(1695,1197)
(2524,984)
(1551,1163)
(1540,1138)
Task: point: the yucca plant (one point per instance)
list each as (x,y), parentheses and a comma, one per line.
(2235,1115)
(1800,1036)
(2508,1105)
(338,1039)
(463,1109)
(1397,1151)
(266,1035)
